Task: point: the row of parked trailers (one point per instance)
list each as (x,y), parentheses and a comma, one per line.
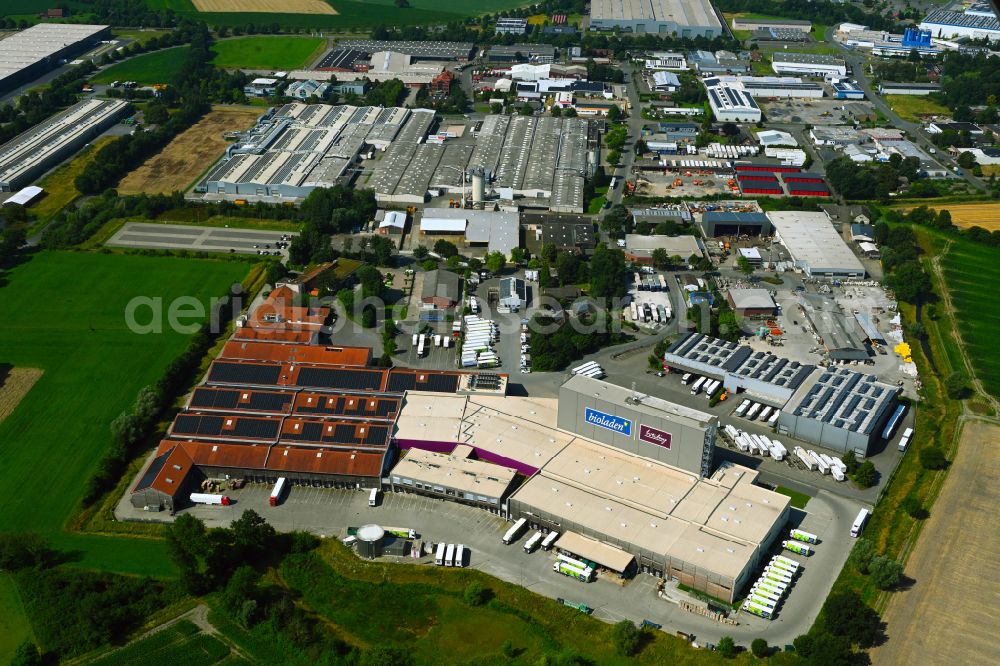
(478,346)
(423,342)
(591,369)
(648,313)
(762,445)
(449,555)
(564,564)
(821,462)
(757,411)
(645,282)
(701,384)
(772,587)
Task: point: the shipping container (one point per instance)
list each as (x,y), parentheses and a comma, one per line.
(449,555)
(859,523)
(277,492)
(752,412)
(764,413)
(696,388)
(686,378)
(904,441)
(771,422)
(204,498)
(373,497)
(742,409)
(459,555)
(549,540)
(439,554)
(806,459)
(796,547)
(515,531)
(532,542)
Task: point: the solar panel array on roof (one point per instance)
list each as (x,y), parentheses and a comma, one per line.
(352,405)
(339,378)
(422,381)
(213,397)
(154,468)
(224,372)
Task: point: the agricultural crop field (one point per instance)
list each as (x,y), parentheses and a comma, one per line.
(66,315)
(14,626)
(343,13)
(188,156)
(146,69)
(913,107)
(985,215)
(967,268)
(954,566)
(180,643)
(276,6)
(267,52)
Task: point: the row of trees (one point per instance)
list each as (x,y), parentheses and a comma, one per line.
(326,211)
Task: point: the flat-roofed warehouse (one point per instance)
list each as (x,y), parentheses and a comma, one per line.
(437,51)
(683,18)
(708,533)
(296,148)
(456,476)
(28,54)
(839,409)
(638,423)
(814,245)
(33,152)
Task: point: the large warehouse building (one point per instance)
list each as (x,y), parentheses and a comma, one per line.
(978,23)
(839,409)
(628,513)
(637,423)
(33,152)
(527,161)
(296,148)
(26,55)
(811,64)
(814,245)
(680,18)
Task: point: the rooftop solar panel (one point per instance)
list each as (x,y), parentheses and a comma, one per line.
(244,373)
(154,468)
(358,380)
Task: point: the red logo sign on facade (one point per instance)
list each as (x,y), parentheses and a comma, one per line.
(654,436)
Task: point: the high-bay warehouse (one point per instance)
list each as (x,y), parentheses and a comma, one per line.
(33,152)
(27,54)
(529,162)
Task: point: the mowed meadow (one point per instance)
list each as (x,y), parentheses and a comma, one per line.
(972,272)
(65,314)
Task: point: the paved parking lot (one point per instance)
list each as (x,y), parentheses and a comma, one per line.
(196,239)
(329,512)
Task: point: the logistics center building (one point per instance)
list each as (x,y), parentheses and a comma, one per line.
(28,54)
(628,513)
(681,18)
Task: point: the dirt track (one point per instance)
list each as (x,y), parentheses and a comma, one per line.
(949,614)
(187,156)
(14,386)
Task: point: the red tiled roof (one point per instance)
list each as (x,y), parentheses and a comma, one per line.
(324,461)
(173,472)
(280,305)
(263,351)
(272,336)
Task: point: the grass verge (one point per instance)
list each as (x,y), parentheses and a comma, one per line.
(799,500)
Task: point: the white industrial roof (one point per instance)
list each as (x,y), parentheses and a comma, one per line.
(751,298)
(776,138)
(663,78)
(440,224)
(813,242)
(456,471)
(40,41)
(23,197)
(681,12)
(395,219)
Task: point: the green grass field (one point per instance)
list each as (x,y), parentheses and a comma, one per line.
(148,68)
(911,107)
(180,643)
(66,315)
(14,7)
(967,268)
(267,52)
(14,626)
(799,500)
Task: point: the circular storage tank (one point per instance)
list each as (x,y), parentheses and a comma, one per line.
(478,186)
(370,541)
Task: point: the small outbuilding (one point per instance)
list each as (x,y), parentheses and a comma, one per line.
(441,289)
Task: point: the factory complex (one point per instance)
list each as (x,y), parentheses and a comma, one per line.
(33,152)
